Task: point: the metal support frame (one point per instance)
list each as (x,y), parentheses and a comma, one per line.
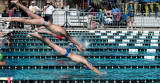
(66,14)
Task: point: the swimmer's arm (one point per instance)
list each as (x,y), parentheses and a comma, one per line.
(93,68)
(70,38)
(8,42)
(77,44)
(81,59)
(1,43)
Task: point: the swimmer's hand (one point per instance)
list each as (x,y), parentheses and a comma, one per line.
(80,48)
(103,73)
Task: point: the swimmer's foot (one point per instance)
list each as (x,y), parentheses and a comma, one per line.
(14,1)
(8,19)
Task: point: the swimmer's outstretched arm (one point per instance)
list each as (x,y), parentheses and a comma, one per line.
(63,51)
(77,44)
(8,42)
(80,59)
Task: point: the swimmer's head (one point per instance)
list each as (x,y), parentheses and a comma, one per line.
(10,34)
(71,45)
(5,36)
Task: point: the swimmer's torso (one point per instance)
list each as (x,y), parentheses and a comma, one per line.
(75,57)
(58,30)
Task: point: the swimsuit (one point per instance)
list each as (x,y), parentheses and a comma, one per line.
(67,53)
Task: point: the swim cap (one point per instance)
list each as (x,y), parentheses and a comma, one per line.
(59,37)
(72,45)
(1,57)
(0,49)
(87,68)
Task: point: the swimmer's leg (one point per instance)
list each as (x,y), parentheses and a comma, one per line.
(35,18)
(27,21)
(77,44)
(31,14)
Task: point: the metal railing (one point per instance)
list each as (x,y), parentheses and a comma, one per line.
(82,19)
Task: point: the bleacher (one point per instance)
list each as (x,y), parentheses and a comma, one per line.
(146,21)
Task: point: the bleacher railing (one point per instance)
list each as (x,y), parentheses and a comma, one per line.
(81,19)
(96,20)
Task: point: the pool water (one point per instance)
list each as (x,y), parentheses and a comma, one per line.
(80,74)
(95,61)
(119,55)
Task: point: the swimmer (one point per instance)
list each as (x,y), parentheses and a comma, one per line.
(1,58)
(6,40)
(37,20)
(65,51)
